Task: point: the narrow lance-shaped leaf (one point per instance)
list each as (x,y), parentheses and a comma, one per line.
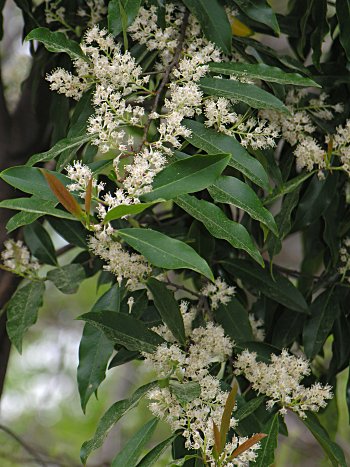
(22,311)
(219,225)
(211,142)
(168,308)
(165,252)
(115,20)
(233,191)
(187,176)
(247,444)
(67,278)
(57,42)
(261,71)
(234,318)
(125,330)
(110,418)
(226,416)
(266,453)
(248,93)
(133,448)
(20,219)
(152,457)
(40,244)
(214,22)
(63,195)
(343,14)
(36,206)
(126,210)
(260,11)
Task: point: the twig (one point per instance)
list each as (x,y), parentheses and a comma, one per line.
(24,445)
(166,76)
(182,287)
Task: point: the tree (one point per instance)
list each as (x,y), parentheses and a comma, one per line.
(172,135)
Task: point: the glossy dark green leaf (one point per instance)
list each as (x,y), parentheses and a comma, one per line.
(125,330)
(214,22)
(343,14)
(152,457)
(262,350)
(72,232)
(281,289)
(219,225)
(22,218)
(235,321)
(22,311)
(115,14)
(57,42)
(36,206)
(248,93)
(165,252)
(31,180)
(333,451)
(126,210)
(133,448)
(67,278)
(247,408)
(110,418)
(260,11)
(233,191)
(261,71)
(187,176)
(213,142)
(324,311)
(185,392)
(95,349)
(168,308)
(288,187)
(58,148)
(266,453)
(40,244)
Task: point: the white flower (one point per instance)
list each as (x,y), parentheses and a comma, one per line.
(280,381)
(218,292)
(17,258)
(309,154)
(344,257)
(257,326)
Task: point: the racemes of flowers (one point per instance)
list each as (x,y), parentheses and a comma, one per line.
(16,258)
(280,381)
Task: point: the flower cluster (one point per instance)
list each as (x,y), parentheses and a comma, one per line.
(280,381)
(17,259)
(345,259)
(257,326)
(218,292)
(187,372)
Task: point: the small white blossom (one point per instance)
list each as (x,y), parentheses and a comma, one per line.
(17,258)
(218,292)
(309,154)
(257,326)
(280,381)
(344,257)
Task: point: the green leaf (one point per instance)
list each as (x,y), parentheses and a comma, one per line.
(187,176)
(185,392)
(219,225)
(165,252)
(281,289)
(248,93)
(261,71)
(168,308)
(20,219)
(67,278)
(126,210)
(31,180)
(72,232)
(95,349)
(214,22)
(288,187)
(235,321)
(115,18)
(110,418)
(266,453)
(36,206)
(324,311)
(22,311)
(260,11)
(152,457)
(124,329)
(247,408)
(59,147)
(231,190)
(333,451)
(57,42)
(132,450)
(40,244)
(213,142)
(343,14)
